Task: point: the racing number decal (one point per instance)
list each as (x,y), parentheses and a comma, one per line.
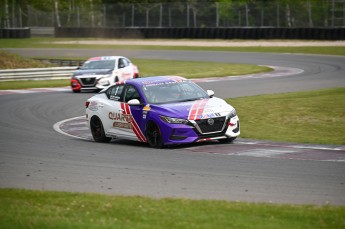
(197,109)
(126,110)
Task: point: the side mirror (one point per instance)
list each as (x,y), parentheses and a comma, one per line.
(134,102)
(210,93)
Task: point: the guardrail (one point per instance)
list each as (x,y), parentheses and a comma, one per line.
(37,73)
(205,33)
(61,62)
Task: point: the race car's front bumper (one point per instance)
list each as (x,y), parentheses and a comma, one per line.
(79,84)
(189,133)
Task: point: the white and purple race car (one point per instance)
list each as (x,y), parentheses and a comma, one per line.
(160,110)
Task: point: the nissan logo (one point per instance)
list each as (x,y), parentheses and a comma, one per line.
(210,121)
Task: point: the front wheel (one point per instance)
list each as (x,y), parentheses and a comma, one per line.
(154,135)
(97,130)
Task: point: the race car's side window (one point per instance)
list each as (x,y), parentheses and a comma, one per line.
(114,93)
(123,63)
(131,93)
(126,61)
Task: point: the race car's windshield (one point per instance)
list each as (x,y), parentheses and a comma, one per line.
(98,64)
(171,92)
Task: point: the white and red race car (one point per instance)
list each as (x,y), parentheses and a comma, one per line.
(99,72)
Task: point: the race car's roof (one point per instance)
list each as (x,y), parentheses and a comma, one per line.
(155,80)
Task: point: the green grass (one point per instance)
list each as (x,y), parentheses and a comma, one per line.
(43,209)
(195,69)
(49,43)
(306,117)
(12,61)
(8,85)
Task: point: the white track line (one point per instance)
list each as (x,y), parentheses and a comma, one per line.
(57,125)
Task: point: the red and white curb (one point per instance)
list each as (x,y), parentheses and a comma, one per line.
(35,90)
(77,128)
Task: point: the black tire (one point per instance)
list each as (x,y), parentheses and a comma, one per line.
(227,140)
(97,130)
(154,135)
(76,91)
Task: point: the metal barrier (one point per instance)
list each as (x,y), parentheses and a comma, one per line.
(37,73)
(15,33)
(61,62)
(205,33)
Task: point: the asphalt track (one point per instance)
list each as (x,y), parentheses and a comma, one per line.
(35,156)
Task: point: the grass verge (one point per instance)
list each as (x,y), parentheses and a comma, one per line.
(13,61)
(23,84)
(49,43)
(305,117)
(43,209)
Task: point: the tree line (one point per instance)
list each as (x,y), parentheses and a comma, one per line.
(168,13)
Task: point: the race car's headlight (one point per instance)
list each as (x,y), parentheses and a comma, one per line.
(232,113)
(104,80)
(173,120)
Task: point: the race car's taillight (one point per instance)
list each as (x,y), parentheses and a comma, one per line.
(87,104)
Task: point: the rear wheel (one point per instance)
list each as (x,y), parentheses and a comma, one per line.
(97,130)
(154,135)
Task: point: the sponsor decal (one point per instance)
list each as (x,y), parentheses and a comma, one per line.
(120,117)
(173,80)
(121,120)
(211,115)
(102,58)
(145,110)
(122,125)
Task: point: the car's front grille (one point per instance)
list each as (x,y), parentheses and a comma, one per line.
(91,81)
(209,126)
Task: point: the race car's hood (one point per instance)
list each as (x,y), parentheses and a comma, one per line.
(197,109)
(92,72)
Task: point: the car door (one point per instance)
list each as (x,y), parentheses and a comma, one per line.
(112,112)
(132,115)
(125,69)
